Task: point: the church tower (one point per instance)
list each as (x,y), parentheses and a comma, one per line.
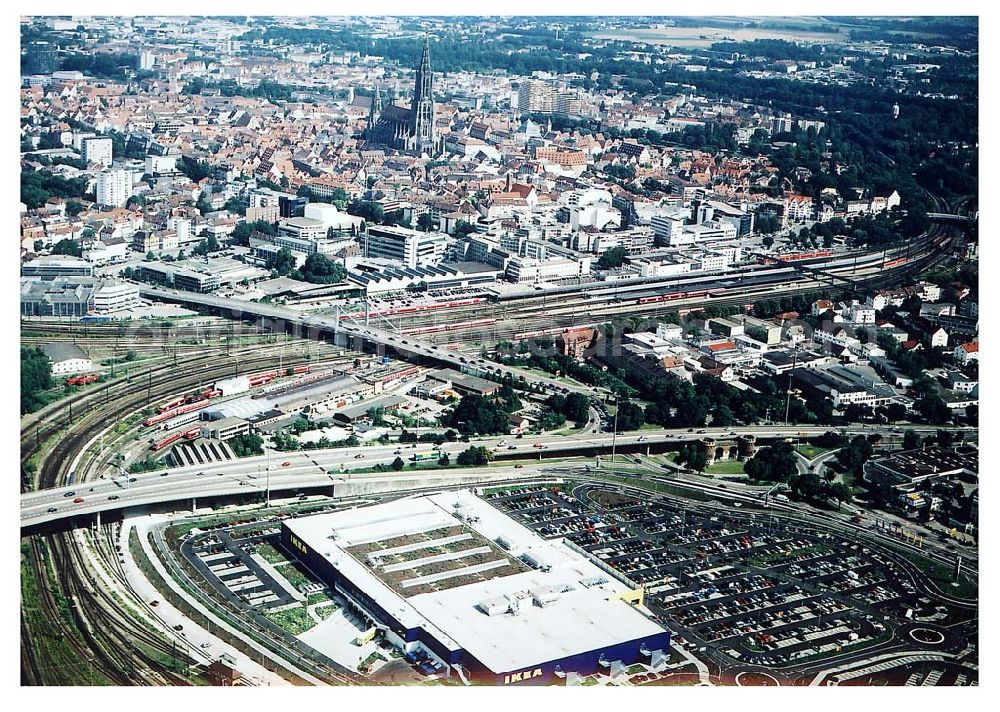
(374,115)
(422,130)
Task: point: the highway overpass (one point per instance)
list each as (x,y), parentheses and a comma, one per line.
(350,334)
(315,469)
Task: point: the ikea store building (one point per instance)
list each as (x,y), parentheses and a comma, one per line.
(450,579)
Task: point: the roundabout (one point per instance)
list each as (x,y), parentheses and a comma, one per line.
(927,636)
(756,678)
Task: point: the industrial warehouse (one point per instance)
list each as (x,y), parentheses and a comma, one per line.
(452,580)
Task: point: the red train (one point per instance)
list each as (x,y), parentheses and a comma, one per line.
(170,439)
(671,297)
(798,256)
(403,374)
(82,380)
(895,263)
(170,404)
(191,402)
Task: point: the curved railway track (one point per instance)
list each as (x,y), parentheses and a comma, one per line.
(98,630)
(55,466)
(150,383)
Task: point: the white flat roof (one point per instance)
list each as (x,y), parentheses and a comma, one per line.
(578,617)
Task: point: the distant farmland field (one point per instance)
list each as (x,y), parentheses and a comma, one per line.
(705,36)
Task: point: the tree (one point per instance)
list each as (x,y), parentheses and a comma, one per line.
(576,408)
(369,210)
(857,412)
(475,414)
(36,377)
(972,414)
(630,416)
(809,485)
(320,269)
(895,412)
(283,261)
(246,444)
(426,222)
(772,464)
(830,440)
(768,241)
(203,248)
(38,186)
(934,409)
(203,205)
(855,454)
(234,205)
(768,223)
(693,455)
(475,456)
(67,247)
(398,464)
(911,440)
(612,258)
(944,438)
(841,492)
(444,460)
(73,208)
(463,228)
(194,169)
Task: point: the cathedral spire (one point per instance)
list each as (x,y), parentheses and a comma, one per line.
(422,114)
(374,114)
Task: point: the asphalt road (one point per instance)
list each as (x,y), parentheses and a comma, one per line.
(288,471)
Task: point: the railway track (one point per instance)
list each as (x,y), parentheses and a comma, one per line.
(65,450)
(98,629)
(129,397)
(580,311)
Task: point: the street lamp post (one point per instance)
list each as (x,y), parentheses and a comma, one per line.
(788,393)
(614,432)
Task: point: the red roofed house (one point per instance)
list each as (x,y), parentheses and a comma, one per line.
(820,306)
(575,342)
(719,348)
(967,352)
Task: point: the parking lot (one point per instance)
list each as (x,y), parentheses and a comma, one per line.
(749,586)
(230,560)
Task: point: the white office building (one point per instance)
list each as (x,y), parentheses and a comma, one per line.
(331,217)
(669,227)
(409,247)
(112,296)
(158,165)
